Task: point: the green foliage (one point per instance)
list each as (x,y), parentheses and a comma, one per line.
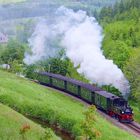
(126,31)
(13,54)
(16,67)
(48,134)
(89,130)
(13,51)
(132,71)
(30,71)
(118,51)
(136,109)
(57,65)
(121,41)
(123,10)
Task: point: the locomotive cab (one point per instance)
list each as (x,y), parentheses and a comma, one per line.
(122,110)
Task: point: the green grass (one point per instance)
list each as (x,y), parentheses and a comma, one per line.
(136,111)
(10,1)
(136,114)
(12,122)
(32,99)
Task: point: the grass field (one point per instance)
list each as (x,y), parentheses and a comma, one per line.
(10,1)
(136,111)
(32,99)
(136,114)
(12,123)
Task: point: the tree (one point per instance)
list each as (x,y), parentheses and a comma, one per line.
(118,51)
(16,67)
(121,6)
(13,51)
(106,14)
(55,65)
(30,71)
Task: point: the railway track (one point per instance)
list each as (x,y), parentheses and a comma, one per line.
(135,127)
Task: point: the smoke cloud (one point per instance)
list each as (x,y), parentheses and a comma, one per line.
(43,43)
(81,37)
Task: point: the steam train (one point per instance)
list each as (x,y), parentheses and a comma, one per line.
(111,104)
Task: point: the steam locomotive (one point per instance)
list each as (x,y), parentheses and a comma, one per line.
(113,105)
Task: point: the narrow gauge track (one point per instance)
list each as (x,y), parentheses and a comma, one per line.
(134,126)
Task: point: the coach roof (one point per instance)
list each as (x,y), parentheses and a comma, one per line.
(73,81)
(90,87)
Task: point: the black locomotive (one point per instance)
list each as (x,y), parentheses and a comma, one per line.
(113,105)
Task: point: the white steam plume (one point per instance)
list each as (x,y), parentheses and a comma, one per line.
(43,43)
(81,36)
(37,43)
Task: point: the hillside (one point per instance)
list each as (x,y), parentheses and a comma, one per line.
(21,8)
(37,101)
(19,18)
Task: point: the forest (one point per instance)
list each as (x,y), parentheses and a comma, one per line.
(121,42)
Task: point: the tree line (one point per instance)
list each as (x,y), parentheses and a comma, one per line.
(122,39)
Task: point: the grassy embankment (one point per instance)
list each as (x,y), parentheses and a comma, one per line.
(12,125)
(136,114)
(32,99)
(136,111)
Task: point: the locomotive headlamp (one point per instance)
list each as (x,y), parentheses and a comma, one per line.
(122,112)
